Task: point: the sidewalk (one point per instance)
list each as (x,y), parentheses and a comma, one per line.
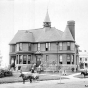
(67,76)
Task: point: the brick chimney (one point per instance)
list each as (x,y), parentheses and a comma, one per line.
(71,26)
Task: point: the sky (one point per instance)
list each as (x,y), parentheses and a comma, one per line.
(29,14)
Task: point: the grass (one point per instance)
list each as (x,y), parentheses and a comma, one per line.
(16,78)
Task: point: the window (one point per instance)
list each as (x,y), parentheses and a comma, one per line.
(29,47)
(38,46)
(17,60)
(72,59)
(85,59)
(20,59)
(24,59)
(86,65)
(80,59)
(47,47)
(68,59)
(60,60)
(17,47)
(20,47)
(68,46)
(60,45)
(29,59)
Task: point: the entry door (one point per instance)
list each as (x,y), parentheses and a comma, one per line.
(38,60)
(13,61)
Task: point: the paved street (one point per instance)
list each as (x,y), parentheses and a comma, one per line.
(72,82)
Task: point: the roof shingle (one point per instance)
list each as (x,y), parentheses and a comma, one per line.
(22,36)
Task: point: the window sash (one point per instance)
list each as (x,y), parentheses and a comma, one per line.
(20,46)
(38,46)
(46,45)
(29,59)
(68,58)
(20,59)
(29,47)
(60,45)
(24,59)
(68,46)
(60,60)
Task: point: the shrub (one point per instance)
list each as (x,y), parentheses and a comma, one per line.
(1,73)
(5,73)
(72,69)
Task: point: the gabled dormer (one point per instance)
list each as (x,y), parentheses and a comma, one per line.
(47,22)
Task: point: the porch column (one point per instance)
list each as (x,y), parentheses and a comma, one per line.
(9,59)
(22,59)
(72,59)
(18,59)
(27,60)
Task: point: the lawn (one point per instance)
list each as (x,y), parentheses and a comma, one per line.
(16,78)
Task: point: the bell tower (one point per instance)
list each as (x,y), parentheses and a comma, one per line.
(47,22)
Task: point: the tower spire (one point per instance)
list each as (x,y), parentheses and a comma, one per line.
(47,19)
(47,22)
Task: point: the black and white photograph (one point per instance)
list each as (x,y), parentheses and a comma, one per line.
(43,43)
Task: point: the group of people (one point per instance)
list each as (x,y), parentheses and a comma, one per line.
(38,69)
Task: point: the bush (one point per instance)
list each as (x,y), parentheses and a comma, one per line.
(72,69)
(1,73)
(5,73)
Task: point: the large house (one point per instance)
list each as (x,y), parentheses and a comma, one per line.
(47,46)
(83,60)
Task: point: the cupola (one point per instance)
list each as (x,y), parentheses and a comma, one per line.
(47,22)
